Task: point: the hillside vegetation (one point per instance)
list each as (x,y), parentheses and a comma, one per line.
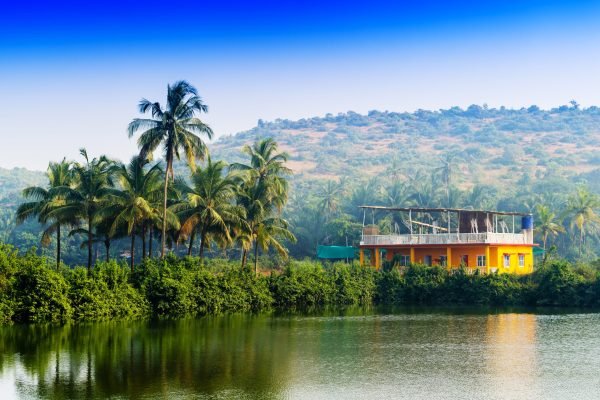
(491,145)
(542,161)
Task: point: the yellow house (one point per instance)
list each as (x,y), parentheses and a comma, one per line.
(490,241)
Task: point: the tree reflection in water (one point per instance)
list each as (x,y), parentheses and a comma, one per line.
(135,359)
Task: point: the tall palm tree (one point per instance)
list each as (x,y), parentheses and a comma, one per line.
(263,195)
(329,196)
(547,224)
(176,128)
(209,206)
(581,208)
(133,203)
(447,170)
(87,195)
(45,200)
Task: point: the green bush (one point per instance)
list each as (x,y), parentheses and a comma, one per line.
(302,284)
(32,291)
(40,294)
(105,293)
(559,285)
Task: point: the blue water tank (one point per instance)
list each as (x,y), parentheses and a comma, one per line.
(527,222)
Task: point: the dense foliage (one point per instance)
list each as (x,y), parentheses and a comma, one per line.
(529,160)
(31,290)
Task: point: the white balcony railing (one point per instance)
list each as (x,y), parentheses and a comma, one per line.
(449,238)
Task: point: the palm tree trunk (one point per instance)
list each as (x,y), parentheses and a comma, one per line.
(202,239)
(164,227)
(132,250)
(580,241)
(544,244)
(107,245)
(58,247)
(256,257)
(192,238)
(244,256)
(150,239)
(89,264)
(143,241)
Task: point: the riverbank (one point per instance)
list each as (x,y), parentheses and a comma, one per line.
(32,291)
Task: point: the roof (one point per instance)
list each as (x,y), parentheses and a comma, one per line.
(335,252)
(425,209)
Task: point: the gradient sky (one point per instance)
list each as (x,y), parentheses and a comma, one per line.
(71,74)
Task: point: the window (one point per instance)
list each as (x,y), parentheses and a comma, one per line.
(521,260)
(481,261)
(443,261)
(404,260)
(507,261)
(427,260)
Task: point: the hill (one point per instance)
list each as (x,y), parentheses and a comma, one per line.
(479,157)
(489,145)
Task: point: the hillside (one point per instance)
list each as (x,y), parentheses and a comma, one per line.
(479,157)
(500,146)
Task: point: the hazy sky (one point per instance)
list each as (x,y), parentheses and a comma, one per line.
(72,75)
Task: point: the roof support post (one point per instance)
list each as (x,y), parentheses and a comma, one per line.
(458,229)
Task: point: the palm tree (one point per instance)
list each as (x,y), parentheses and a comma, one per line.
(581,207)
(262,226)
(45,200)
(446,171)
(176,128)
(263,195)
(547,224)
(87,195)
(329,196)
(480,197)
(209,207)
(133,203)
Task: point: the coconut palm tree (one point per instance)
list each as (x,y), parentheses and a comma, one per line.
(581,208)
(263,195)
(329,196)
(547,224)
(86,196)
(208,207)
(175,128)
(262,227)
(45,200)
(447,171)
(134,203)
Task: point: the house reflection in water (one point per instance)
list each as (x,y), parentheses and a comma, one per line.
(511,360)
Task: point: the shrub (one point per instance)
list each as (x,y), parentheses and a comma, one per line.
(40,293)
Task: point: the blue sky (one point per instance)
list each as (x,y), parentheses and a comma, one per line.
(72,74)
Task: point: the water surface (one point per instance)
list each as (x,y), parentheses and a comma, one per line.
(357,354)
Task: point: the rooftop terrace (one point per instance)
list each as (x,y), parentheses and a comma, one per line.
(442,226)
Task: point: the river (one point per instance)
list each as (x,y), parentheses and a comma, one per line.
(353,354)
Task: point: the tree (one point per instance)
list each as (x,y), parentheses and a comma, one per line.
(45,200)
(208,206)
(87,195)
(329,196)
(547,224)
(263,195)
(176,129)
(581,208)
(134,203)
(446,171)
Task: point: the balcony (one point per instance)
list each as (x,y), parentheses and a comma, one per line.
(448,238)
